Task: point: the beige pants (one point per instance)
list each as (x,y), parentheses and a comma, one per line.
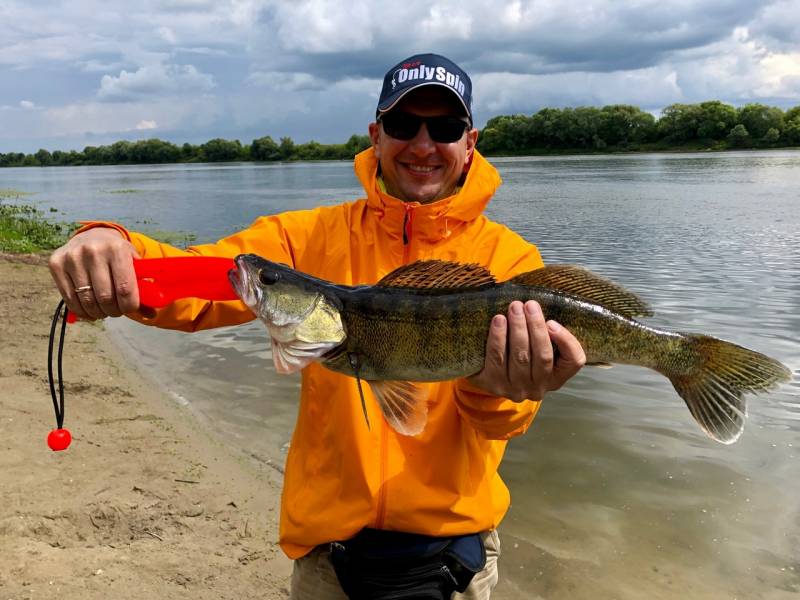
(313,577)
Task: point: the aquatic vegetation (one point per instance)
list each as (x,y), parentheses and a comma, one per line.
(23,229)
(9,194)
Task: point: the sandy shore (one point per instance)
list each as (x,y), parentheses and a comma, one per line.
(145,503)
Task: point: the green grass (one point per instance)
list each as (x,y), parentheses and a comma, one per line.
(24,230)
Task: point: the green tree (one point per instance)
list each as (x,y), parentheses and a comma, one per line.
(219,150)
(43,157)
(264,148)
(715,120)
(758,119)
(679,123)
(739,137)
(287,148)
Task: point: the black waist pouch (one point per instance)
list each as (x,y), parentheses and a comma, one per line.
(392,565)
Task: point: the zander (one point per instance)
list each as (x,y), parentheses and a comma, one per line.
(429,321)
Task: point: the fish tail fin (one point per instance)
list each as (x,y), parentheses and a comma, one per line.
(712,375)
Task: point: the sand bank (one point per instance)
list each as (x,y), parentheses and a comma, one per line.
(145,503)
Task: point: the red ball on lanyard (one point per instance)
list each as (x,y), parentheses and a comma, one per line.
(59,439)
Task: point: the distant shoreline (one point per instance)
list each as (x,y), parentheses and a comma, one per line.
(707,126)
(575,152)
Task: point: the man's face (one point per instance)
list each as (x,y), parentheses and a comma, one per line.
(420,169)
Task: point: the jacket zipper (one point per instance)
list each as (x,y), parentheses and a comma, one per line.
(408,219)
(381,509)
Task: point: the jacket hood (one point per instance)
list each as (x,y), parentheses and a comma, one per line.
(437,220)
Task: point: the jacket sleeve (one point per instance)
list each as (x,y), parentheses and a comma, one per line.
(494,417)
(277,237)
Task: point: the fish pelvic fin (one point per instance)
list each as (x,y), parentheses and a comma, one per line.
(588,286)
(403,404)
(717,376)
(438,276)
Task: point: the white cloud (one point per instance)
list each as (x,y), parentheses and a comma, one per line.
(166,34)
(325,26)
(286,82)
(312,68)
(144,124)
(154,80)
(27,104)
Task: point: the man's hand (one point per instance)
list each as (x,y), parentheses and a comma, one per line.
(520,361)
(94,273)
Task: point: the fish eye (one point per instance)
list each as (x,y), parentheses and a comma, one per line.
(268,277)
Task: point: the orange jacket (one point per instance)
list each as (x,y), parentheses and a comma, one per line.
(341,476)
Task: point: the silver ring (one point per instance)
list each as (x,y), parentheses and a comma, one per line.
(83,288)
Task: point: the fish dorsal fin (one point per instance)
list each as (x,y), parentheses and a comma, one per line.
(588,286)
(403,404)
(438,276)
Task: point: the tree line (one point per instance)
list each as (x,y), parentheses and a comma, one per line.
(712,124)
(617,127)
(216,150)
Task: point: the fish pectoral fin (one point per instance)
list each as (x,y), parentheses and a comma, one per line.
(290,357)
(600,365)
(403,404)
(589,286)
(438,276)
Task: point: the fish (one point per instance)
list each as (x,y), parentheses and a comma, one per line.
(429,321)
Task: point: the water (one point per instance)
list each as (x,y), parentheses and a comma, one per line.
(616,493)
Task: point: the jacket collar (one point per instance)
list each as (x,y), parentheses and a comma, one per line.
(437,220)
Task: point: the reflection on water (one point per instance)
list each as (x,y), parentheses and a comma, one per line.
(616,492)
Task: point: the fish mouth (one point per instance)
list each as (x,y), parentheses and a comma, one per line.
(241,280)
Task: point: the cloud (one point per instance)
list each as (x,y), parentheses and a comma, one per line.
(312,68)
(27,104)
(154,80)
(293,82)
(143,124)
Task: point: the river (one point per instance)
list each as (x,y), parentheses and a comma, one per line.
(616,493)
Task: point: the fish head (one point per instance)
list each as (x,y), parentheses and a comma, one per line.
(276,293)
(302,319)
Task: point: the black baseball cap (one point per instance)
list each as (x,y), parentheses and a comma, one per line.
(421,70)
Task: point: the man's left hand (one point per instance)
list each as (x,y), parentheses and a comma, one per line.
(520,358)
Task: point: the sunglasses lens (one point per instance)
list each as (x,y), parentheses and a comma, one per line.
(446,130)
(401,126)
(405,126)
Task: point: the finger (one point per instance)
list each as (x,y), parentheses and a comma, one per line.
(571,356)
(103,288)
(519,352)
(541,348)
(124,278)
(65,285)
(494,366)
(82,287)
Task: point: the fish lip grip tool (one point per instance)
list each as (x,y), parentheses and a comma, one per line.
(161,281)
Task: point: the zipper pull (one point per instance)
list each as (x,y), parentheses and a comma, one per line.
(407,219)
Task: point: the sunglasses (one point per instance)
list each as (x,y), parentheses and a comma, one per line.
(405,126)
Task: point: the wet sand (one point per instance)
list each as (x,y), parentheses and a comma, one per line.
(146,503)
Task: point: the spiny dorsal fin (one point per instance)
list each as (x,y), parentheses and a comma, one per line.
(585,284)
(438,275)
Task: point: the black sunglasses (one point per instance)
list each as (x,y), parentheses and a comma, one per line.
(405,126)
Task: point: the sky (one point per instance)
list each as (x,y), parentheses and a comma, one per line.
(87,72)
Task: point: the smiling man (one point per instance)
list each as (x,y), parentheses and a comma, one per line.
(394,514)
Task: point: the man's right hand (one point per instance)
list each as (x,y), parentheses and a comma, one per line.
(94,273)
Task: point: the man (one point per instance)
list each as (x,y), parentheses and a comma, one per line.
(426,188)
